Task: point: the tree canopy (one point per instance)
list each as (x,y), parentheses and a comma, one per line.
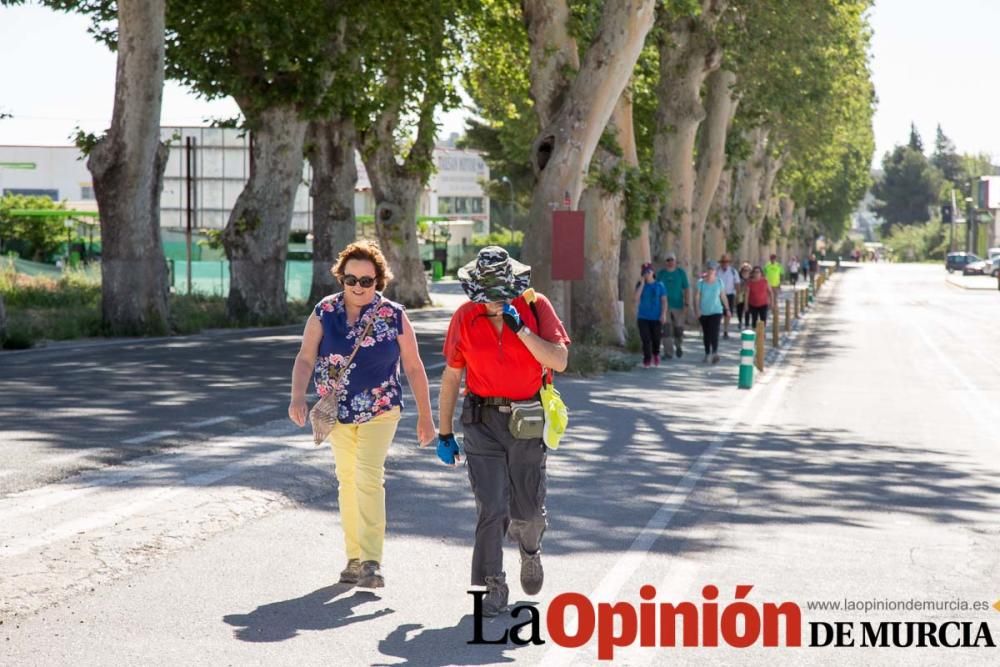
(908,187)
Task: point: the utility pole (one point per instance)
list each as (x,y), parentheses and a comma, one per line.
(954,214)
(189,218)
(510,209)
(970,221)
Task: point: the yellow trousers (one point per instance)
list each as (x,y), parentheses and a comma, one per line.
(359,452)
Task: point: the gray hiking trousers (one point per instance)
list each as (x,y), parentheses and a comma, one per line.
(508,480)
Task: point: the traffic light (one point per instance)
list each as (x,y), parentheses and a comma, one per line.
(947,215)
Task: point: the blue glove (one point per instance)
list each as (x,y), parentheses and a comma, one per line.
(447,449)
(512,318)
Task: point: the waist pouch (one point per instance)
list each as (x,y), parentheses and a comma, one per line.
(527,420)
(472,412)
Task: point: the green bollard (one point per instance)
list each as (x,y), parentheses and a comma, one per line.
(748,342)
(437,270)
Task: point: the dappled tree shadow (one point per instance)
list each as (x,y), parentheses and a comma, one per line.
(619,451)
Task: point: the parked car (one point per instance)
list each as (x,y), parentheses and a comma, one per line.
(957,261)
(993,253)
(980,268)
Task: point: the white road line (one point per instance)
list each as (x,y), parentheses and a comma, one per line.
(148,437)
(979,407)
(434,367)
(259,408)
(983,412)
(210,422)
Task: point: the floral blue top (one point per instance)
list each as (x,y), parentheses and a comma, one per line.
(371,385)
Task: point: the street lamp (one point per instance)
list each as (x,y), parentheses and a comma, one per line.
(510,209)
(969,222)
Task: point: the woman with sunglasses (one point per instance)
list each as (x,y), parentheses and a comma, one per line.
(353,346)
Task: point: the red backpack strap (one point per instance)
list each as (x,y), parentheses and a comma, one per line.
(546,372)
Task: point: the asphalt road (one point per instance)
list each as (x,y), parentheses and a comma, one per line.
(73,407)
(862,466)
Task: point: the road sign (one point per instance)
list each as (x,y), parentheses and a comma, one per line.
(567,245)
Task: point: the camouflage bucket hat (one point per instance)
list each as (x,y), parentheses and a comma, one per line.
(494,276)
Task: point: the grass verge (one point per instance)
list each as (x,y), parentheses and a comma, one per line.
(588,355)
(44,309)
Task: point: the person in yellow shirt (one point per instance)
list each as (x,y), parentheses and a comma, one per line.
(773,272)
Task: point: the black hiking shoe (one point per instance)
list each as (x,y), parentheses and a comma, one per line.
(497,591)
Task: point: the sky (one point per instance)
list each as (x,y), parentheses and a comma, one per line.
(932,61)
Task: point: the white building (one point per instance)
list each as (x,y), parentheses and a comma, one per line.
(54,171)
(217,171)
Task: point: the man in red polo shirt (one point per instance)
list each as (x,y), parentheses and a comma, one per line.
(502,344)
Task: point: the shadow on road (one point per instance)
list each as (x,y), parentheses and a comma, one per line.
(439,647)
(324,609)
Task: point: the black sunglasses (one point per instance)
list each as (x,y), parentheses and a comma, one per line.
(351,281)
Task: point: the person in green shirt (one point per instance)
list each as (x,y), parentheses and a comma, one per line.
(678,289)
(773,272)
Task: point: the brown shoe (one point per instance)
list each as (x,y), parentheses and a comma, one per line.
(497,592)
(352,572)
(371,575)
(532,574)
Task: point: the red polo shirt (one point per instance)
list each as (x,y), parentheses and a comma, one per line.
(758,291)
(499,365)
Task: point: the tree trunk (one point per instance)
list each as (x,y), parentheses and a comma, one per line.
(769,206)
(256,236)
(127,167)
(330,146)
(786,208)
(719,218)
(688,54)
(746,196)
(562,151)
(3,320)
(396,199)
(803,233)
(635,251)
(396,188)
(721,103)
(595,298)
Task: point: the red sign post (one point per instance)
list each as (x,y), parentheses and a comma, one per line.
(567,245)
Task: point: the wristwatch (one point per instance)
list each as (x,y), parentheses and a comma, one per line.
(524,332)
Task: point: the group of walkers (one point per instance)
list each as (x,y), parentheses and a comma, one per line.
(506,341)
(663,300)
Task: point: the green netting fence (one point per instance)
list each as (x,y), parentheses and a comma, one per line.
(35,269)
(212,278)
